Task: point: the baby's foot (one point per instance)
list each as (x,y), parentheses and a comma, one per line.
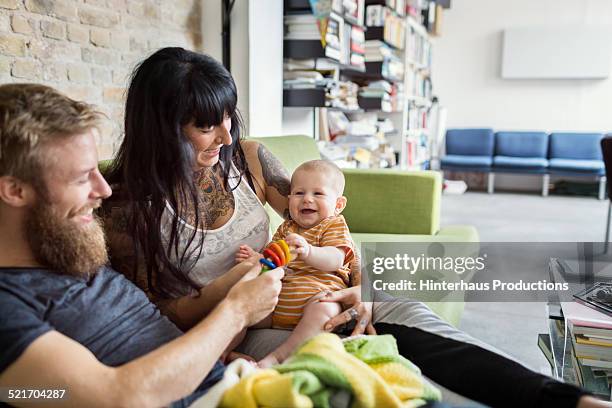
(268,361)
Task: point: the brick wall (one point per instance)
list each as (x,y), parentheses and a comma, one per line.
(87,48)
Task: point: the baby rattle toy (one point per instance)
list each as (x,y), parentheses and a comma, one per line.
(276,254)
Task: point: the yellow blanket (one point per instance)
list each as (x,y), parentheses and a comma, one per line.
(367,368)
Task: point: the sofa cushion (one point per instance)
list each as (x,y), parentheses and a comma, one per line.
(589,166)
(467,161)
(581,146)
(521,144)
(520,162)
(472,142)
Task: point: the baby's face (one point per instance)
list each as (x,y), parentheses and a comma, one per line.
(313,198)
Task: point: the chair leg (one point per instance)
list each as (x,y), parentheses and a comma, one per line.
(490,183)
(608,228)
(545,183)
(602,188)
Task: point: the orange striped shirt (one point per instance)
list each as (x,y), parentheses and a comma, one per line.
(302,281)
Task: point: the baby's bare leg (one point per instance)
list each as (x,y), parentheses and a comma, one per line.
(316,314)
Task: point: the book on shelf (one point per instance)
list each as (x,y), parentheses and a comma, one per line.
(595,340)
(580,315)
(376,15)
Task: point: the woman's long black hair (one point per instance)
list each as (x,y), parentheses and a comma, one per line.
(155,162)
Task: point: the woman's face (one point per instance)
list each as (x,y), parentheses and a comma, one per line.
(207,142)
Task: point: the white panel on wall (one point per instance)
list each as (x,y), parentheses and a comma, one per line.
(560,52)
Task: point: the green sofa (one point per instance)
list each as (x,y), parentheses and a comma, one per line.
(384,205)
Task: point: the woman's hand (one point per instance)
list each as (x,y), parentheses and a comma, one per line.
(356,310)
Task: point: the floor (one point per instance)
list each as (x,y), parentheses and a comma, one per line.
(518,217)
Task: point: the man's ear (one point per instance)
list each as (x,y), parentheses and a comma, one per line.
(15,192)
(340,204)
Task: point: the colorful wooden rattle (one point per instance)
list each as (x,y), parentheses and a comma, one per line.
(276,254)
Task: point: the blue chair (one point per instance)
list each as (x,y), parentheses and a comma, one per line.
(522,152)
(577,154)
(469,150)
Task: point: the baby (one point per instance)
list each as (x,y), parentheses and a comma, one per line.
(323,251)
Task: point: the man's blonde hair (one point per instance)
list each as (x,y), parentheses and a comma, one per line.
(31,116)
(330,169)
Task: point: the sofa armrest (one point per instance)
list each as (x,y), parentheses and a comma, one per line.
(392,202)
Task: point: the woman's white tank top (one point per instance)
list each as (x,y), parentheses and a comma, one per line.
(249,224)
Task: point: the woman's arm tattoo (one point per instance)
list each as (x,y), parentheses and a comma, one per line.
(274,173)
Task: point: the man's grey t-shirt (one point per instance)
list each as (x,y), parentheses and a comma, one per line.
(107,314)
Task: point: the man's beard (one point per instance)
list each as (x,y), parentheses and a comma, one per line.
(62,244)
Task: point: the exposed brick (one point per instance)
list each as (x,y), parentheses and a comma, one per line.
(21,25)
(90,94)
(117,5)
(138,44)
(78,34)
(98,3)
(132,23)
(12,45)
(131,59)
(53,29)
(5,65)
(100,37)
(97,17)
(99,56)
(54,71)
(120,41)
(61,9)
(54,50)
(9,4)
(101,76)
(78,73)
(26,69)
(5,24)
(120,76)
(114,94)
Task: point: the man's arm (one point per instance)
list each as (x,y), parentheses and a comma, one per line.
(173,371)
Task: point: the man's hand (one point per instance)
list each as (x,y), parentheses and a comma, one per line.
(255,295)
(301,247)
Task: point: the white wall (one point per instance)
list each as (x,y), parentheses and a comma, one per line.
(266,67)
(467,68)
(467,72)
(256,58)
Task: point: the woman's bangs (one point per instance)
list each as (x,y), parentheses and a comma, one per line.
(211,104)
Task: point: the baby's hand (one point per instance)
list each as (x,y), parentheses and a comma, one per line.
(302,247)
(245,252)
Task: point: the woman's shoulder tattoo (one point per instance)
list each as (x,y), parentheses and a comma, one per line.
(274,173)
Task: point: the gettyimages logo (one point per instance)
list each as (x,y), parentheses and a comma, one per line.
(412,264)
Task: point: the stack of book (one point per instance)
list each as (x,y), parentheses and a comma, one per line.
(342,95)
(392,66)
(591,342)
(579,347)
(382,90)
(301,27)
(358,47)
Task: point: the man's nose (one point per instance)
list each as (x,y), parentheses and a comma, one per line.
(101,189)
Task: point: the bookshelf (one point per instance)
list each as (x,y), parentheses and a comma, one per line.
(384,49)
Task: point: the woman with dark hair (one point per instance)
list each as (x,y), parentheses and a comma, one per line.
(188,191)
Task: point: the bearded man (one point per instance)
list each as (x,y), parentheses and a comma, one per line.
(71,328)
